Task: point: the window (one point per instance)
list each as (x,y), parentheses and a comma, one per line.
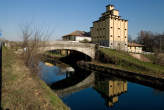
(125,29)
(118,36)
(110,35)
(118,28)
(125,36)
(111,27)
(111,44)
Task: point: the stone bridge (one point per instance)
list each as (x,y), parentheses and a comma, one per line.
(85,48)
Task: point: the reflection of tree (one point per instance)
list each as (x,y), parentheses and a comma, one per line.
(110,89)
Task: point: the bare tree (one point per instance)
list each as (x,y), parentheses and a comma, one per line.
(33,38)
(152,41)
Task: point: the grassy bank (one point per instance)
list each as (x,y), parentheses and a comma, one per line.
(122,60)
(23,90)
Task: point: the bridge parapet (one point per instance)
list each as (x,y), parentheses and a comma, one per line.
(71,43)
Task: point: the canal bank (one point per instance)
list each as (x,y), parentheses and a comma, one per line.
(121,64)
(153,80)
(23,90)
(97,91)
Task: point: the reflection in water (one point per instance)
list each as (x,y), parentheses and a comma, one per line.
(51,74)
(110,88)
(66,86)
(91,91)
(72,79)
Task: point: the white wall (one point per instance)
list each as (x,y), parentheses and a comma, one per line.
(135,49)
(81,38)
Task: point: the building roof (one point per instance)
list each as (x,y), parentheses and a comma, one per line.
(78,33)
(134,45)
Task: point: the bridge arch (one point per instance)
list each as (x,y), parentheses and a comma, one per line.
(72,54)
(86,48)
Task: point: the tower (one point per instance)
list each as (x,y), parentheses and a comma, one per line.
(110,30)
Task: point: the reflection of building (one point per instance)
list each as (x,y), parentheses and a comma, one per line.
(77,36)
(110,30)
(111,89)
(135,48)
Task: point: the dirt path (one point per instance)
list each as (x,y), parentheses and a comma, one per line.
(140,57)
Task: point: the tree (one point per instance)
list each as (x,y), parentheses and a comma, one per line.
(146,38)
(152,41)
(33,38)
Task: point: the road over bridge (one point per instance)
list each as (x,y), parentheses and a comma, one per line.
(85,48)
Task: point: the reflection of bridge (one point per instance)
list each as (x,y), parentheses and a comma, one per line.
(110,88)
(86,48)
(87,82)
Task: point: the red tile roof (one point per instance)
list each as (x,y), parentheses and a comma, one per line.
(78,33)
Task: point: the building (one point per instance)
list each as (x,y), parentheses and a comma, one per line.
(134,48)
(110,30)
(111,90)
(78,36)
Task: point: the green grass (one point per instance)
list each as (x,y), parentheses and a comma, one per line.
(124,60)
(23,90)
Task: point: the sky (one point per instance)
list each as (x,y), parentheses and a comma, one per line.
(65,16)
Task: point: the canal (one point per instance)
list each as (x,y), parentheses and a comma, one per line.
(88,90)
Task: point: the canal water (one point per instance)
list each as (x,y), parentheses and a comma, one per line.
(84,90)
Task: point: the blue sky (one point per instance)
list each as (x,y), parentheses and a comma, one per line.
(65,16)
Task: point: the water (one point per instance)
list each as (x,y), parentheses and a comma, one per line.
(91,91)
(51,74)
